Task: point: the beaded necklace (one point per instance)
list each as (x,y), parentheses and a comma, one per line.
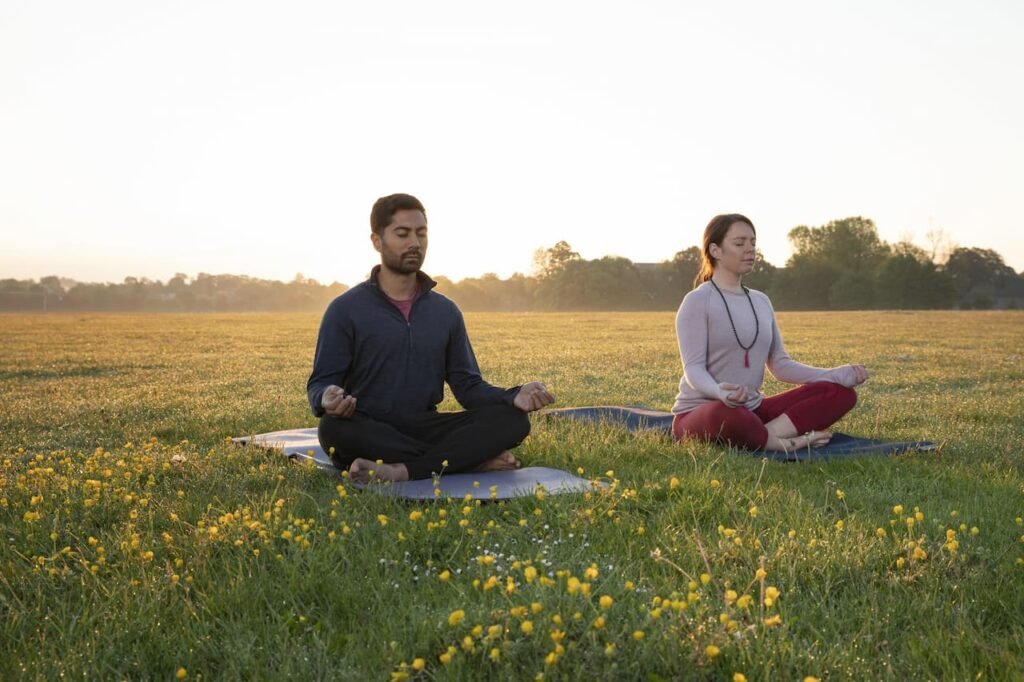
(757,326)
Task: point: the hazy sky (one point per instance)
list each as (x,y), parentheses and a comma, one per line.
(146,138)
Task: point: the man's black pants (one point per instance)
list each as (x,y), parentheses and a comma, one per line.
(423,442)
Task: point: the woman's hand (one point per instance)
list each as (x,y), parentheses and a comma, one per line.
(733,395)
(856,375)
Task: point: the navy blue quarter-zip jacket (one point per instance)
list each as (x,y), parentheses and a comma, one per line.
(396,368)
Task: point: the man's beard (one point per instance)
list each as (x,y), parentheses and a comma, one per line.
(405,264)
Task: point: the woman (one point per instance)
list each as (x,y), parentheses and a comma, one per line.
(727,336)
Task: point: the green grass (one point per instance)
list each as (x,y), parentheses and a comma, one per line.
(116,471)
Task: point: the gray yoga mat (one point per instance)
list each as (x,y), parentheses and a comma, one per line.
(842,446)
(302,445)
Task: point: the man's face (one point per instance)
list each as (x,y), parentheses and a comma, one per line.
(403,243)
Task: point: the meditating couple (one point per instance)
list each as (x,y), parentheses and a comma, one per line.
(387,347)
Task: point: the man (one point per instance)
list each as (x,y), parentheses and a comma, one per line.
(386,347)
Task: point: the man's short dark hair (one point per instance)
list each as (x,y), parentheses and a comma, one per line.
(385,208)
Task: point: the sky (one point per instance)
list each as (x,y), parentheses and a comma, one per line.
(145,138)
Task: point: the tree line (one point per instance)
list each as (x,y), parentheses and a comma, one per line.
(204,293)
(842,265)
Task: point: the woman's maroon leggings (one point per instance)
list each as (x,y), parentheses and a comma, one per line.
(811,407)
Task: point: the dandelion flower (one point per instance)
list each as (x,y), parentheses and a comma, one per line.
(711,650)
(739,677)
(526,627)
(898,511)
(181,674)
(715,484)
(456,617)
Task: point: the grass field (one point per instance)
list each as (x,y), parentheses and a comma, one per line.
(138,543)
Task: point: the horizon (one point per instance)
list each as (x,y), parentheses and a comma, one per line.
(191,277)
(239,137)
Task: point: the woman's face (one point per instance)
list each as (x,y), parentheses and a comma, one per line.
(737,252)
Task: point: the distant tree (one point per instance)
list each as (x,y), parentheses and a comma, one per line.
(832,266)
(804,284)
(910,280)
(978,275)
(852,290)
(609,283)
(762,275)
(548,262)
(51,285)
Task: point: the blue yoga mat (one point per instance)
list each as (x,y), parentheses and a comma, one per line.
(842,446)
(302,445)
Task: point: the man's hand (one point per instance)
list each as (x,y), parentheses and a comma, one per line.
(336,403)
(532,396)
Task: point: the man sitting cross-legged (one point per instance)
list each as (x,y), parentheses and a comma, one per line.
(385,350)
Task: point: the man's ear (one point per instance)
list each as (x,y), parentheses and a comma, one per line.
(375,238)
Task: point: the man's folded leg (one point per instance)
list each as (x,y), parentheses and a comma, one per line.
(360,436)
(464,439)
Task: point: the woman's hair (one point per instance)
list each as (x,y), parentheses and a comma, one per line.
(715,233)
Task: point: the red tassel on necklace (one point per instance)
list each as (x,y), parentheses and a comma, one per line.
(746,358)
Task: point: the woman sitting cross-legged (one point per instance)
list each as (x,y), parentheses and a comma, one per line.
(727,336)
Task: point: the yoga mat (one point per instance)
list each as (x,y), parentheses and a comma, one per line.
(842,446)
(302,445)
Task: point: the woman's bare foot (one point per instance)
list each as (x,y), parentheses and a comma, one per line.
(811,439)
(506,461)
(364,471)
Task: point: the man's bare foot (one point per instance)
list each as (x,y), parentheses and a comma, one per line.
(506,461)
(364,471)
